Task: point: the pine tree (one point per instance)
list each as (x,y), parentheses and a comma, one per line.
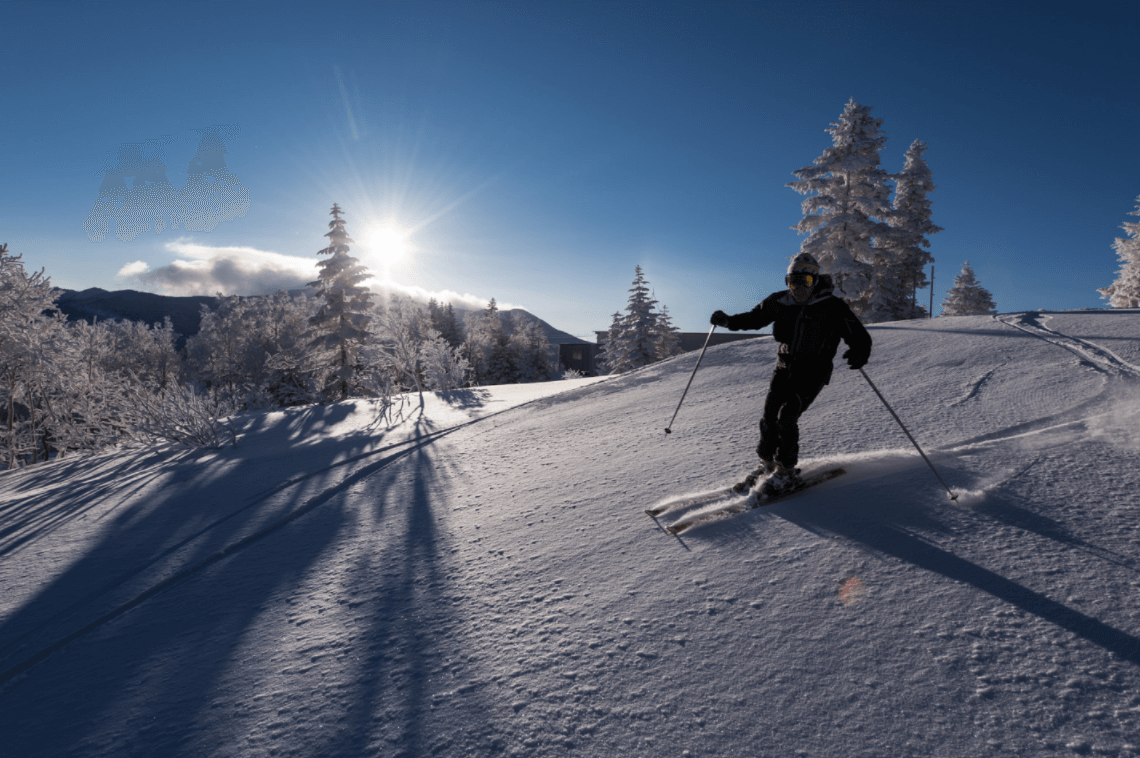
(443,321)
(1125,291)
(666,337)
(848,206)
(609,354)
(635,347)
(530,349)
(340,326)
(904,254)
(501,368)
(967,297)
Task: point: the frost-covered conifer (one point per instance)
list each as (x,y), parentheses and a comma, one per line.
(848,206)
(967,297)
(901,269)
(444,367)
(501,368)
(222,353)
(608,354)
(530,350)
(443,320)
(340,326)
(635,346)
(1125,291)
(666,337)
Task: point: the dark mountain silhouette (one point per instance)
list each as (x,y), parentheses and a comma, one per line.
(130,305)
(185,312)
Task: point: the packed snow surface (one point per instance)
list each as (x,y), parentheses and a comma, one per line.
(474,574)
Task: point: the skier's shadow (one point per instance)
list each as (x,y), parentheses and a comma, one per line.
(877,530)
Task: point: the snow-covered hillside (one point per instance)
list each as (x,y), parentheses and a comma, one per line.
(480,578)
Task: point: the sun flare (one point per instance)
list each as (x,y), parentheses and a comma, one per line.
(387,242)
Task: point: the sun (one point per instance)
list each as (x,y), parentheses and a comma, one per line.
(387,242)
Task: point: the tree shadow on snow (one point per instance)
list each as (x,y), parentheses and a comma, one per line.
(166,637)
(465,399)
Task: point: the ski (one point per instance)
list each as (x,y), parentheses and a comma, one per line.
(739,488)
(754,500)
(672,505)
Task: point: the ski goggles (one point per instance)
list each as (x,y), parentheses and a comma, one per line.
(795,281)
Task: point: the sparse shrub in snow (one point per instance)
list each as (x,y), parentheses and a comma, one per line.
(967,297)
(572,373)
(1124,292)
(180,415)
(341,324)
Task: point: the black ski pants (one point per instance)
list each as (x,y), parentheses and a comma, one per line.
(789,395)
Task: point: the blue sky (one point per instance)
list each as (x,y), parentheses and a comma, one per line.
(537,152)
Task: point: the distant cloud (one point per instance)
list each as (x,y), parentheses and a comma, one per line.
(205,270)
(421,295)
(133,269)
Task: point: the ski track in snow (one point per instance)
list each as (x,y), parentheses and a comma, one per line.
(498,589)
(1088,353)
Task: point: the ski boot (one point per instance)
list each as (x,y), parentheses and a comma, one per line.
(784,478)
(764,469)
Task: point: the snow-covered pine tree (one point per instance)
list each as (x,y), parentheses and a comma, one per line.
(666,337)
(848,205)
(451,331)
(967,297)
(443,320)
(340,326)
(1125,291)
(501,368)
(487,347)
(634,347)
(905,254)
(225,352)
(614,345)
(530,349)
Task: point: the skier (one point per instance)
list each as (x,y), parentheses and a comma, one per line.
(808,323)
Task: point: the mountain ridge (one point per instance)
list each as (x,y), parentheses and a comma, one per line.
(185,311)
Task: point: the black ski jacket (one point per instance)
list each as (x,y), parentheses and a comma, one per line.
(808,334)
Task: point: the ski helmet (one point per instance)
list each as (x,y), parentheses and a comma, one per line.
(804,263)
(803,272)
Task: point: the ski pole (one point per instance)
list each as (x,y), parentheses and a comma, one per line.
(909,435)
(669,429)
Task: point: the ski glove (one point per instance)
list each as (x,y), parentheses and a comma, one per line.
(719,318)
(855,361)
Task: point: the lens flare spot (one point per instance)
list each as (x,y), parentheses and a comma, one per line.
(851,590)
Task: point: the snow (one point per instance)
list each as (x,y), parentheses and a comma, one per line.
(475,576)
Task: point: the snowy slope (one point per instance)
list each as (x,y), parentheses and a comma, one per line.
(479,578)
